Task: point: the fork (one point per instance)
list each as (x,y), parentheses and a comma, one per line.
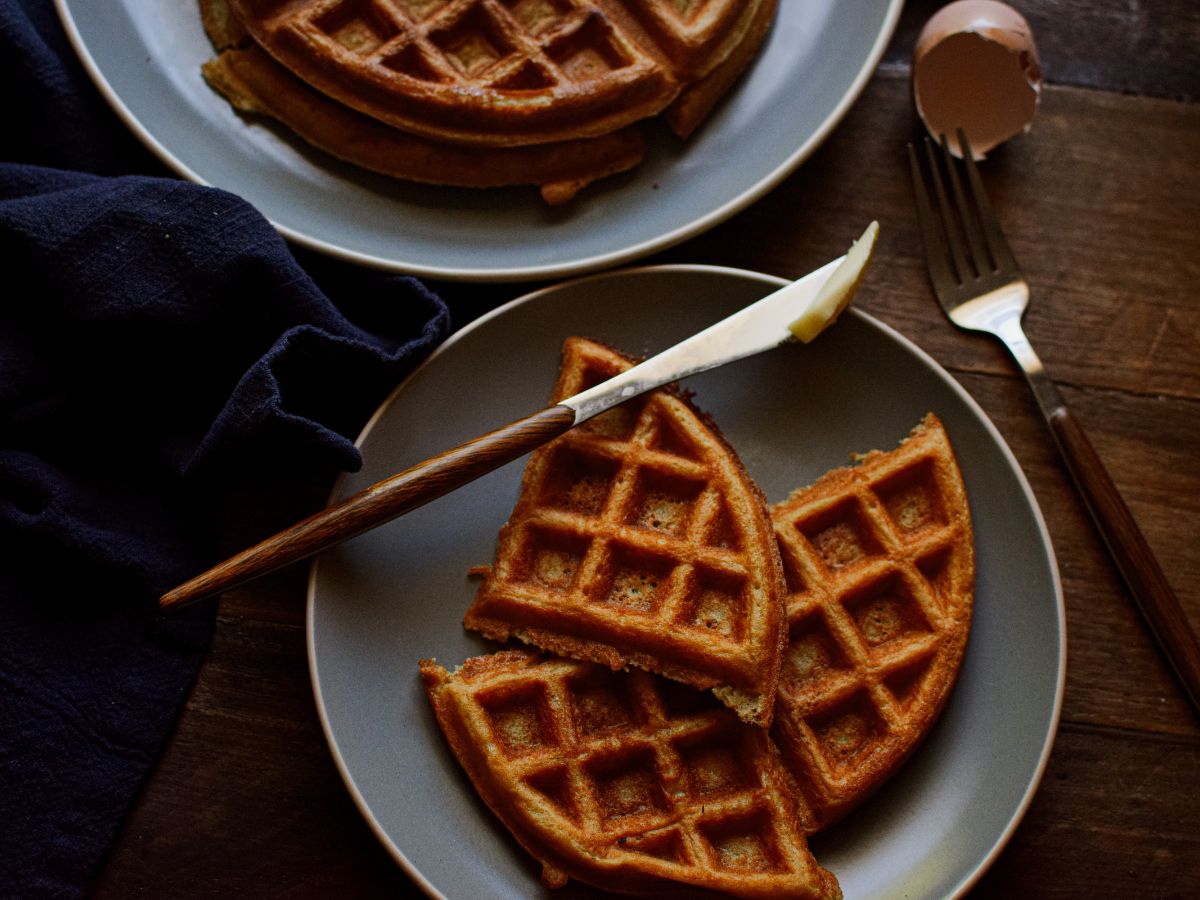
(980,288)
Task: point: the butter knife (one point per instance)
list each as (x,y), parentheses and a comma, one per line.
(797,312)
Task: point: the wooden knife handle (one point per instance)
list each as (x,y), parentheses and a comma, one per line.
(1145,579)
(378,503)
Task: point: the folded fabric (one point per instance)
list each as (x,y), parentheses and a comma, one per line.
(164,358)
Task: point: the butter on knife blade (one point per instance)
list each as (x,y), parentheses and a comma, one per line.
(797,311)
(838,290)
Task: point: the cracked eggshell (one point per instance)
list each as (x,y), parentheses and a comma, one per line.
(975,67)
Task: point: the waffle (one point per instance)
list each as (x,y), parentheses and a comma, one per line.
(639,539)
(879,562)
(625,781)
(254,83)
(513,72)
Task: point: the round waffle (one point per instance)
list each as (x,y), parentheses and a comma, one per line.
(639,539)
(625,781)
(253,82)
(879,562)
(512,72)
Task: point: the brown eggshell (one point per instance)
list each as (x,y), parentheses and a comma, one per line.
(975,67)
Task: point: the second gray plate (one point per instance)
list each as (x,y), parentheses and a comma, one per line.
(397,594)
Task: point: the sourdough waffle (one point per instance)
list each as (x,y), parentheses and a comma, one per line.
(879,562)
(639,539)
(624,780)
(512,72)
(254,83)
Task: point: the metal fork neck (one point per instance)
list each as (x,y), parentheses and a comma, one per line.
(999,312)
(1009,330)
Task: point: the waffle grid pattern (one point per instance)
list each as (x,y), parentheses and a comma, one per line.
(501,44)
(501,72)
(638,533)
(640,771)
(625,532)
(879,567)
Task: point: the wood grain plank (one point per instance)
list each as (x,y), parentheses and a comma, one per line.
(1115,675)
(1116,816)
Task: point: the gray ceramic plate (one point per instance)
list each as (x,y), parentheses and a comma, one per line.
(145,57)
(380,603)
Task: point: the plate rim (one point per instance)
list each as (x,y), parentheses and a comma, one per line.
(970,878)
(592,263)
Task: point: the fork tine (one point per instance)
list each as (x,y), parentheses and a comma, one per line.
(953,239)
(997,243)
(970,222)
(937,254)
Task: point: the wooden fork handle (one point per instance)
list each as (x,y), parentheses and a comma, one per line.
(1153,595)
(378,503)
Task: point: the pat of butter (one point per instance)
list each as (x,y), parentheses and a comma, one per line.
(837,292)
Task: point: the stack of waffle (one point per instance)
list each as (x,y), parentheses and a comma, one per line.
(639,541)
(483,93)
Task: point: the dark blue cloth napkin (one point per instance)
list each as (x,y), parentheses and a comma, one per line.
(165,358)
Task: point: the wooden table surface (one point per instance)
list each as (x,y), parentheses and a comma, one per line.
(1101,202)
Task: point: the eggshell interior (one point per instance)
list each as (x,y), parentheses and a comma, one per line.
(975,67)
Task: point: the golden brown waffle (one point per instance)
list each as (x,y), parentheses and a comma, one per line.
(625,781)
(512,72)
(879,561)
(254,83)
(639,539)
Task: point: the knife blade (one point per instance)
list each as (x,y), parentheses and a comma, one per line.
(775,320)
(798,311)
